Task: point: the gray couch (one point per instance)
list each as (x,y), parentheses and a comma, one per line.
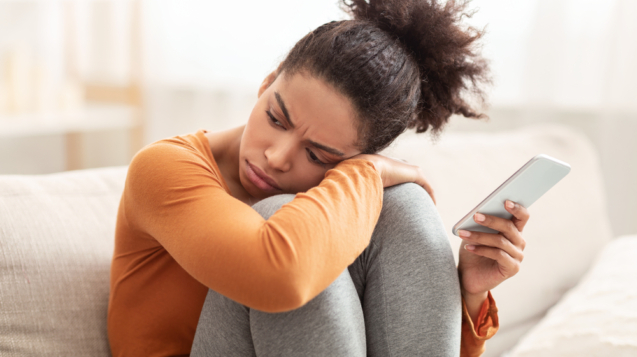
(56,241)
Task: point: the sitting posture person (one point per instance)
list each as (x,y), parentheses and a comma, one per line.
(290,235)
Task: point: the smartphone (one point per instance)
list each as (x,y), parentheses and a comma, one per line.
(525,186)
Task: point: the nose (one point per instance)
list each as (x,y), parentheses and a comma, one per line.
(279,155)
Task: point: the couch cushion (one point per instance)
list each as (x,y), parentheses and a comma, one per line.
(56,244)
(596,318)
(568,225)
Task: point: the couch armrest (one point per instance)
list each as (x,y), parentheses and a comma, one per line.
(56,244)
(598,317)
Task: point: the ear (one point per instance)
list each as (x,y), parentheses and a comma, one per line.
(269,80)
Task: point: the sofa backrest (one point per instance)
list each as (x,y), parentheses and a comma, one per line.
(568,226)
(56,244)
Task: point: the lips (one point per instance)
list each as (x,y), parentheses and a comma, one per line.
(261,179)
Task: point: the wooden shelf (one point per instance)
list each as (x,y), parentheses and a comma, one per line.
(91,118)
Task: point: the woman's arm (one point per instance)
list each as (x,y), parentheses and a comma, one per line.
(473,303)
(487,259)
(476,331)
(173,197)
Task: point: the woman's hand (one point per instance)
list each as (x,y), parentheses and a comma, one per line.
(487,259)
(394,172)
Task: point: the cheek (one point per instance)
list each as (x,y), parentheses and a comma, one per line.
(254,134)
(305,177)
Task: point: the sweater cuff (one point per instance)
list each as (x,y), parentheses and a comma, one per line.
(487,323)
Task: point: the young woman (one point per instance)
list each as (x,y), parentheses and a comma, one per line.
(215,255)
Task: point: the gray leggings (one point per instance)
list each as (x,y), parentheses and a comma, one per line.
(401,297)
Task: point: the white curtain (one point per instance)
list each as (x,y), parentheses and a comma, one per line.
(570,54)
(575,54)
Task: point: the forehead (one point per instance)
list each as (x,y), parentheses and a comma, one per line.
(318,111)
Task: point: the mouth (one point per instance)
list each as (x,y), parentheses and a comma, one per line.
(261,179)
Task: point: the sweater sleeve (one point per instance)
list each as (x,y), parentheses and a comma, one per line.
(273,265)
(474,336)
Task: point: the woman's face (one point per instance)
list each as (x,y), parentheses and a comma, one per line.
(299,128)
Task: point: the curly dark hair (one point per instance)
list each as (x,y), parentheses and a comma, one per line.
(403,63)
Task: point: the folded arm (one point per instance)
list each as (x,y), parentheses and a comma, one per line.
(272,265)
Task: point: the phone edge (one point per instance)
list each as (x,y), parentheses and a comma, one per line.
(454,229)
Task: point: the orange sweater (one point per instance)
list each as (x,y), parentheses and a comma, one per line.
(180,232)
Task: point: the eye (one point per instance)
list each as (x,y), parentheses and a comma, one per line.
(314,158)
(274,121)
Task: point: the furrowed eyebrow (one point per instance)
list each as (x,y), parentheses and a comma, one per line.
(315,144)
(283,108)
(327,148)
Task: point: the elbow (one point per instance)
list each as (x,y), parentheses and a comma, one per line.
(297,296)
(290,279)
(292,292)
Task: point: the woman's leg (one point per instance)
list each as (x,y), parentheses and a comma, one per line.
(329,325)
(407,280)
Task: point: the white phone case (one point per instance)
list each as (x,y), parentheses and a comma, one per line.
(525,186)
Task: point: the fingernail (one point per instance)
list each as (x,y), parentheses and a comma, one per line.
(510,204)
(464,233)
(479,217)
(470,247)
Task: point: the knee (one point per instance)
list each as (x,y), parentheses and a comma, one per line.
(410,204)
(411,236)
(409,214)
(407,196)
(267,206)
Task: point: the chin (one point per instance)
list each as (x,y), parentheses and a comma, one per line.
(250,189)
(247,185)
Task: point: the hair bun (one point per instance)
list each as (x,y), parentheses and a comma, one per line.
(446,51)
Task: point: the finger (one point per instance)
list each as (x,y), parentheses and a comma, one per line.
(429,189)
(507,264)
(506,227)
(397,159)
(420,180)
(520,214)
(492,240)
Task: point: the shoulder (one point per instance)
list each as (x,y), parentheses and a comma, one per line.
(172,162)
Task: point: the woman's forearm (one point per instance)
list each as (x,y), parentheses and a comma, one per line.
(474,303)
